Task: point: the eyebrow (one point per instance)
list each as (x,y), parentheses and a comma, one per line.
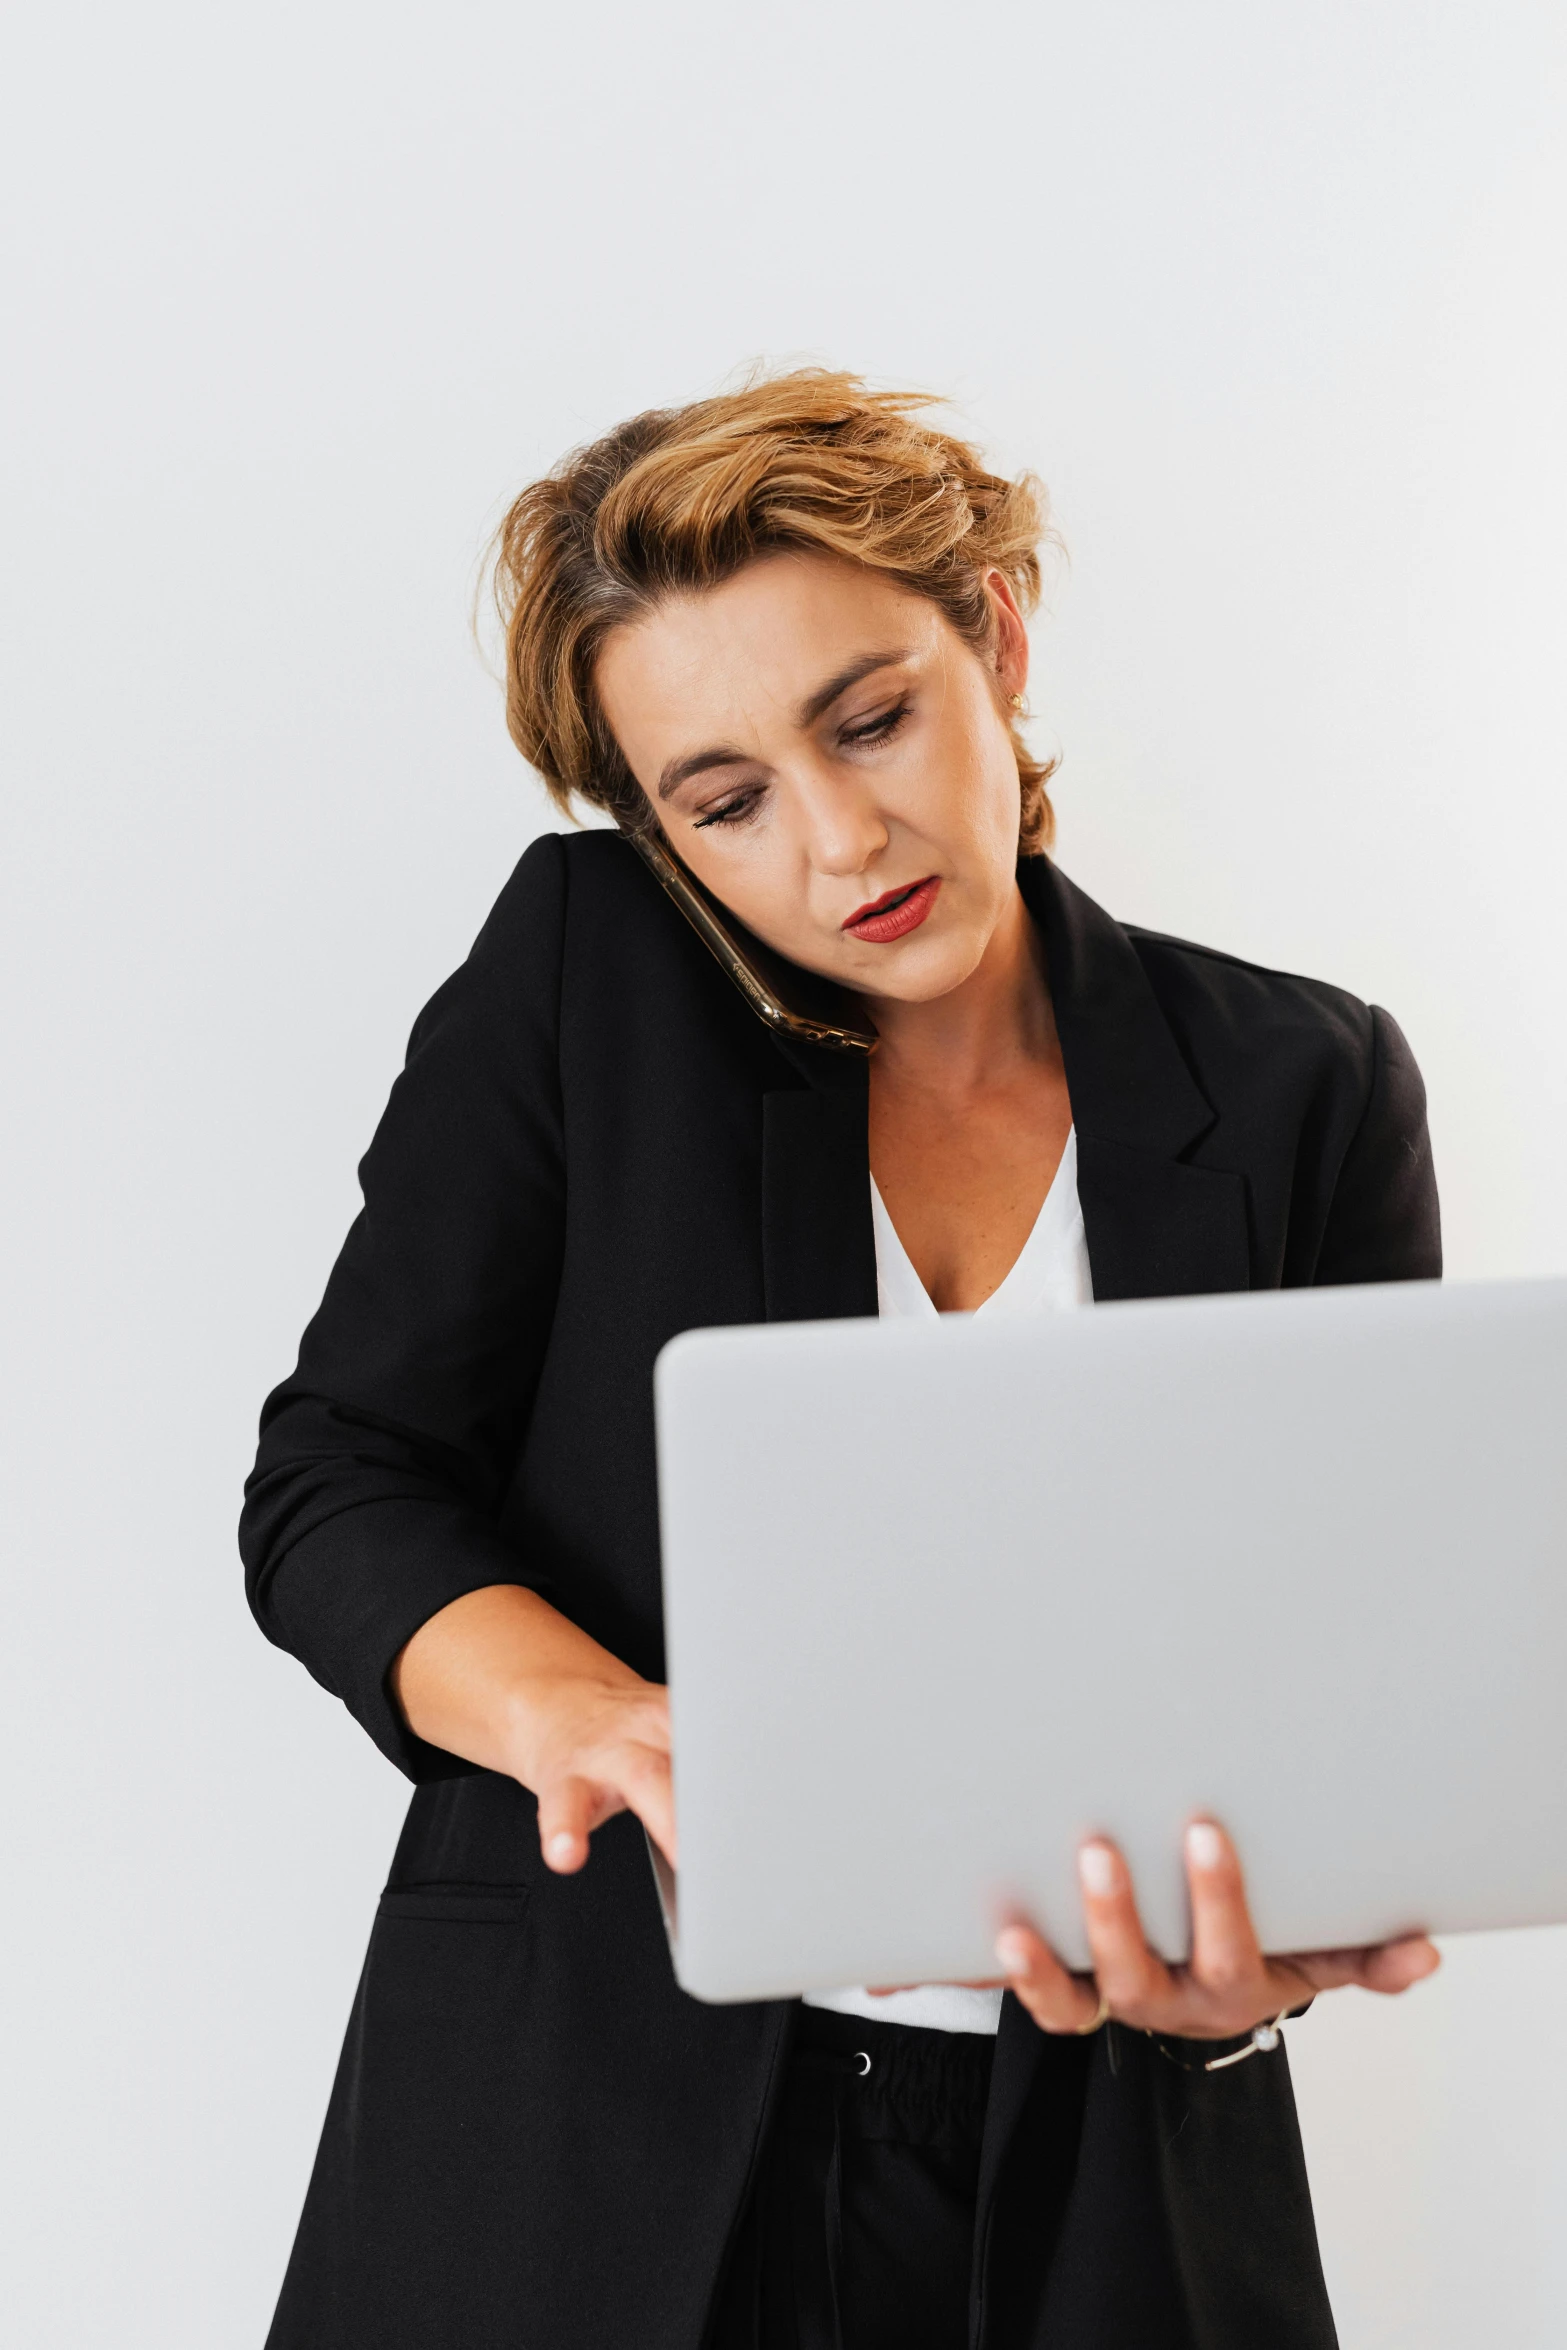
(825,695)
(679,771)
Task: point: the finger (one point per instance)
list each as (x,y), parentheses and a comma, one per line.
(892,1990)
(1225,1951)
(647,1720)
(1388,1966)
(643,1776)
(1318,1970)
(1057,2001)
(1392,1967)
(1292,1984)
(1129,1974)
(567,1810)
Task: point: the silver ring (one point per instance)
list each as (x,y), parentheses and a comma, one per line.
(865,2063)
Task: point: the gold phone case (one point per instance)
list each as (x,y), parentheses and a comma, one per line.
(795,1002)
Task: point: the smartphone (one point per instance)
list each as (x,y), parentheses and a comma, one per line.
(797,1003)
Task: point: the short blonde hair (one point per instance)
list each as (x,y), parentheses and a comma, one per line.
(681,499)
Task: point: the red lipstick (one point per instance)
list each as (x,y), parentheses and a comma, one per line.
(895,913)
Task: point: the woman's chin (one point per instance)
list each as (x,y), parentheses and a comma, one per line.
(913,972)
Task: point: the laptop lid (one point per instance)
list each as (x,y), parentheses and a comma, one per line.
(943,1599)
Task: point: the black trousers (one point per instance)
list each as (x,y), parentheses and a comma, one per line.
(860,2230)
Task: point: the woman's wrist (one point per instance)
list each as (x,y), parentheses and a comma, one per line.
(506,1681)
(547,1717)
(486,1677)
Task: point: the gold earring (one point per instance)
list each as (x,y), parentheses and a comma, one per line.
(1015,701)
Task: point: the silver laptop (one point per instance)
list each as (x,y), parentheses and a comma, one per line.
(944,1598)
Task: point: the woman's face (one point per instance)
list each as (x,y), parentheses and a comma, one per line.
(833,762)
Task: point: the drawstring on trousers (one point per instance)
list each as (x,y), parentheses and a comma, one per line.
(858,2226)
(844,2070)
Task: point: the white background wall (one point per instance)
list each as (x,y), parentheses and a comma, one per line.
(296,295)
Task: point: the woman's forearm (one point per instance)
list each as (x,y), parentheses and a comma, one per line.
(506,1681)
(472,1679)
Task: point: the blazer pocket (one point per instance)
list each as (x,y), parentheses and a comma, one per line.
(448,1956)
(455,1904)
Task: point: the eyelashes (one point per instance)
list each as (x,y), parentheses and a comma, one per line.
(880,729)
(733,811)
(872,734)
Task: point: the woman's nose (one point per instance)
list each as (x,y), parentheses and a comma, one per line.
(844,829)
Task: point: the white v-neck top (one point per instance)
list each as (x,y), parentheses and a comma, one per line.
(1051,1269)
(1051,1272)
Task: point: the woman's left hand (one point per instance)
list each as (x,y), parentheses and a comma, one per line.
(1227,1987)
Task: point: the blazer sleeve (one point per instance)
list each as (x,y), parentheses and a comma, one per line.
(1383,1222)
(384,1460)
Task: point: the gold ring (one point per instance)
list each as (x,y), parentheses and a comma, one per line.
(1085,2031)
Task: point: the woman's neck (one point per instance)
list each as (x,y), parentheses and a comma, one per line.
(981,1033)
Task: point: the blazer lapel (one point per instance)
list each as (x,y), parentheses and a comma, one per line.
(818,1243)
(1158,1229)
(1156,1224)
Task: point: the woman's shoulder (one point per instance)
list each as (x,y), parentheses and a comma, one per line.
(560,878)
(1252,1007)
(1228,1016)
(561,881)
(583,942)
(1275,1048)
(595,859)
(1296,1065)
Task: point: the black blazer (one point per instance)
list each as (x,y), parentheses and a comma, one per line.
(535,2137)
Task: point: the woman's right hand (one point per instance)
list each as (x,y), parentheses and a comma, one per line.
(589,1751)
(506,1681)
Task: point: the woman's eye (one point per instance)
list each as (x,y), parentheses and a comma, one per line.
(879,729)
(733,811)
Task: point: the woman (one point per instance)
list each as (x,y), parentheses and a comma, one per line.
(783,633)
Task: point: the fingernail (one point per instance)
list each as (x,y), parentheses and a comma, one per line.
(1099,1869)
(1012,1951)
(562,1849)
(1204,1845)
